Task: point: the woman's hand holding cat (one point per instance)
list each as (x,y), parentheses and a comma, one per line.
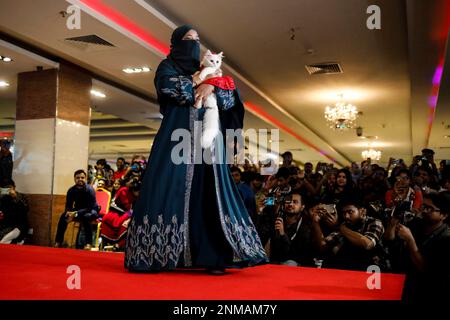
(196,79)
(203,91)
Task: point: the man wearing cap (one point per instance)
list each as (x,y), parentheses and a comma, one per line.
(287,159)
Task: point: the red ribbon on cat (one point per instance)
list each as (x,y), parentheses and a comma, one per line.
(225,83)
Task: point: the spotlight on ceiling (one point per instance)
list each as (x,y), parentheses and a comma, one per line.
(136,70)
(98,93)
(5,59)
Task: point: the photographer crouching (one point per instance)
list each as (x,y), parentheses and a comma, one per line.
(291,244)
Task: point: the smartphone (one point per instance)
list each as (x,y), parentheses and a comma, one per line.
(331,208)
(270,201)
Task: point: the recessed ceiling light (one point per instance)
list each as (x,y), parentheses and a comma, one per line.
(98,94)
(137,70)
(4,84)
(5,59)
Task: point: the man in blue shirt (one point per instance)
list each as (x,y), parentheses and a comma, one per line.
(81,205)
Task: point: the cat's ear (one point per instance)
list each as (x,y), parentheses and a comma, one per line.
(221,54)
(208,53)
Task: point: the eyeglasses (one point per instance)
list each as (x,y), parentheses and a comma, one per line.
(430,208)
(402,178)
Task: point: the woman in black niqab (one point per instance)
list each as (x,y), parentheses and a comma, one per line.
(185,54)
(189,214)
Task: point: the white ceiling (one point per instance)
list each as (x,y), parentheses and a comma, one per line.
(387,72)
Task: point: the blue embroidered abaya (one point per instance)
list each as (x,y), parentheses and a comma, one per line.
(189,215)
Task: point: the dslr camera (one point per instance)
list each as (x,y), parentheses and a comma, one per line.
(402,212)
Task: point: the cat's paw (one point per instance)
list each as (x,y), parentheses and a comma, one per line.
(208,138)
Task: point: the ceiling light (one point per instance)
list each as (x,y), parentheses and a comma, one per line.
(136,70)
(371,154)
(341,116)
(98,94)
(4,84)
(5,59)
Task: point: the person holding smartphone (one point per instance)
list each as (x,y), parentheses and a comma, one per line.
(357,243)
(426,255)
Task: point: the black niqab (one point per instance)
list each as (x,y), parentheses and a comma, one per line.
(184,53)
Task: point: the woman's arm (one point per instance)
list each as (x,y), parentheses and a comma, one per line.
(225,98)
(174,86)
(178,88)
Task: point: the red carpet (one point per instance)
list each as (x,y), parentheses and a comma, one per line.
(29,272)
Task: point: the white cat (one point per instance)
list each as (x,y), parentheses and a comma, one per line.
(210,67)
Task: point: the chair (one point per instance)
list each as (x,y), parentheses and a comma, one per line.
(103,197)
(103,200)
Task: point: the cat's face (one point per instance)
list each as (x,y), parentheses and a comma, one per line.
(212,60)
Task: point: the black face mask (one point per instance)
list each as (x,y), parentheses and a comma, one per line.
(185,53)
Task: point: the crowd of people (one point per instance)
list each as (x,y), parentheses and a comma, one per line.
(394,218)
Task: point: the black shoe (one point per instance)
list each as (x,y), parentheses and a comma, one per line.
(217,271)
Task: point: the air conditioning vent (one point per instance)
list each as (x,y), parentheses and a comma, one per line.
(91,39)
(324,68)
(90,42)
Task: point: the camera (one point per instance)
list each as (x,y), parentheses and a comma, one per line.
(402,212)
(270,201)
(330,208)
